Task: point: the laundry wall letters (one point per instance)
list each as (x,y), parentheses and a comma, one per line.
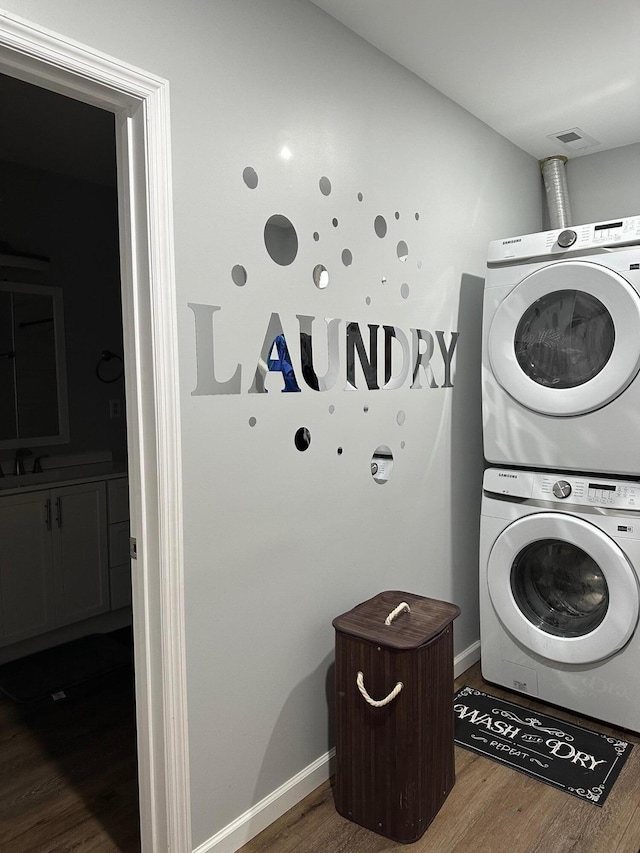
(413,358)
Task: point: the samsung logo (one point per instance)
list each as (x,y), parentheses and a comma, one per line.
(510,476)
(517,240)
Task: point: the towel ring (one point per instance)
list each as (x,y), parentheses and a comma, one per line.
(106,356)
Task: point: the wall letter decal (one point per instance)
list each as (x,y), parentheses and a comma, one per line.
(392,382)
(274,337)
(369,365)
(422,358)
(319,383)
(447,355)
(206,382)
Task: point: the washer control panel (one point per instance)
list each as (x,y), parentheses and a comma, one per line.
(559,488)
(579,238)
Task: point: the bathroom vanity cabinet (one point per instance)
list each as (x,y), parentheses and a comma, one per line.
(58,547)
(118,532)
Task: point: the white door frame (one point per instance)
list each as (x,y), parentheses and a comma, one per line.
(140,104)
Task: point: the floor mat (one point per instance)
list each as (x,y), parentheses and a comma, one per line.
(581,762)
(51,672)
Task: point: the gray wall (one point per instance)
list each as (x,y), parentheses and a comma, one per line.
(605,185)
(277,541)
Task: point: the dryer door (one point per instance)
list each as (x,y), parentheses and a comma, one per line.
(563,588)
(566,340)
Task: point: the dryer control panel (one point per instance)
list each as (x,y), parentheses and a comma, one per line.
(563,488)
(566,241)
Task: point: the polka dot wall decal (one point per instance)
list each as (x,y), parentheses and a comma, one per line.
(339,451)
(380,226)
(250,177)
(281,239)
(239,275)
(302,439)
(283,244)
(325,185)
(320,276)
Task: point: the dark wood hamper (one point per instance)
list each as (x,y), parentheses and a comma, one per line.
(395,763)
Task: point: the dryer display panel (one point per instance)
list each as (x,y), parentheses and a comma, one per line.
(564,339)
(559,588)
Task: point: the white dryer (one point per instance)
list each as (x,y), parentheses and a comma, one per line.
(561,349)
(559,590)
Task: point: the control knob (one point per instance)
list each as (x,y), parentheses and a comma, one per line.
(562,489)
(567,238)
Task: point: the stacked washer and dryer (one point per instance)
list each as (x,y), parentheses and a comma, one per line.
(560,522)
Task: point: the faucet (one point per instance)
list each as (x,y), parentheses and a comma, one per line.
(20,455)
(37,465)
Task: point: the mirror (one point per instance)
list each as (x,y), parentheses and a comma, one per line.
(281,239)
(381,464)
(33,381)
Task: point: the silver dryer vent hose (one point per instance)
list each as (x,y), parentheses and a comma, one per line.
(555,184)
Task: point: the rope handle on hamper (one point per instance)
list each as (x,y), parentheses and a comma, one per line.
(398,610)
(377,703)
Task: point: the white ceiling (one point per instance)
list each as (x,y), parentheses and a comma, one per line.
(527,69)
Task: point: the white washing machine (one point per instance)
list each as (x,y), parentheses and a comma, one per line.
(559,590)
(561,349)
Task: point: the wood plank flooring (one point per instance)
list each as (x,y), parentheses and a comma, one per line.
(491,809)
(68,776)
(68,783)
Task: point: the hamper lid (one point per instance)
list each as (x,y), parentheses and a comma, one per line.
(382,619)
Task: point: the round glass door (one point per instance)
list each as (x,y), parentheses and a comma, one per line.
(563,588)
(559,588)
(566,340)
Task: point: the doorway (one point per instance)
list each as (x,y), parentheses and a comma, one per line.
(139,104)
(65,636)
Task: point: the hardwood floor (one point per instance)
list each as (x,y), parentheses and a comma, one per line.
(491,809)
(68,777)
(68,783)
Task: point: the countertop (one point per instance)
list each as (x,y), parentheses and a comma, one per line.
(10,484)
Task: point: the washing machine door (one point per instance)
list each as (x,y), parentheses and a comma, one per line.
(563,588)
(566,340)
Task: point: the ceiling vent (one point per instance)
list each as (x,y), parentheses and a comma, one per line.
(574,139)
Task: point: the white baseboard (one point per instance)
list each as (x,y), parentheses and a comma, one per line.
(466,659)
(264,813)
(259,817)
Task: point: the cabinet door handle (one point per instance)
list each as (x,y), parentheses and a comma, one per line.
(58,512)
(47,513)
